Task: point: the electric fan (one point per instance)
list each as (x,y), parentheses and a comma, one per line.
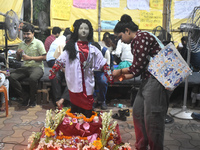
(192,29)
(162,35)
(11,24)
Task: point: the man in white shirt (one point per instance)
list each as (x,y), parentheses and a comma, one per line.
(61,40)
(59,97)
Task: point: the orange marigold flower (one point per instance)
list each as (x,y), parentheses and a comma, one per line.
(97,144)
(49,132)
(68,112)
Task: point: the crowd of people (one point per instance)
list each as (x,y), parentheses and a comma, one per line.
(88,67)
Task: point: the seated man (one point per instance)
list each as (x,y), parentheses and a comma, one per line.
(61,40)
(55,33)
(32,51)
(60,97)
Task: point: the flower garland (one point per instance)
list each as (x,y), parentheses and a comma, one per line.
(60,137)
(68,112)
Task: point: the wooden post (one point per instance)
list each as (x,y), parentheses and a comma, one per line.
(31,11)
(99,21)
(164,14)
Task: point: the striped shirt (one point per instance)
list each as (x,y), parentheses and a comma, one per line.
(48,42)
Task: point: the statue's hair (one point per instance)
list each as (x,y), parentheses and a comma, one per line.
(70,46)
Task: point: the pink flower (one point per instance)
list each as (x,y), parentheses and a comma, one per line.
(77,126)
(86,126)
(74,120)
(96,119)
(66,121)
(92,137)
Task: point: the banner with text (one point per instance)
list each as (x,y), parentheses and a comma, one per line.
(156,4)
(150,20)
(60,9)
(85,4)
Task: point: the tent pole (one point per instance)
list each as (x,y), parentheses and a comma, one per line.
(99,20)
(31,11)
(166,15)
(164,24)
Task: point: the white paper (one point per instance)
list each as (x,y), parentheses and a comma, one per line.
(183,9)
(138,4)
(110,3)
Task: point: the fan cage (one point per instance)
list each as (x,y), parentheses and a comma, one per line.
(11,25)
(193,30)
(162,35)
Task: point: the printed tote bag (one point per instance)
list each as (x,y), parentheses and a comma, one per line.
(169,68)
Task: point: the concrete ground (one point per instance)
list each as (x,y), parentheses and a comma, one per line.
(180,134)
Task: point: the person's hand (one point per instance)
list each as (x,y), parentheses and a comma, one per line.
(116,73)
(1,71)
(26,57)
(19,51)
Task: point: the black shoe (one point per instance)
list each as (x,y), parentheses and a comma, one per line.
(32,104)
(26,99)
(168,119)
(104,106)
(25,103)
(95,105)
(119,117)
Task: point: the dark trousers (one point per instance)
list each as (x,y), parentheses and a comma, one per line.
(33,74)
(57,87)
(102,86)
(149,111)
(50,63)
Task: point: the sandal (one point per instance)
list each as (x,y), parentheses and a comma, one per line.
(115,116)
(124,112)
(121,117)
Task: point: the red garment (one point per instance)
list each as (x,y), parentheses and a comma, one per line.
(48,42)
(82,99)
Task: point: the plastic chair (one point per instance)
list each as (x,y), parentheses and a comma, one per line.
(4,90)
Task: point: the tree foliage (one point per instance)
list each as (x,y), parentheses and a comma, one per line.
(38,6)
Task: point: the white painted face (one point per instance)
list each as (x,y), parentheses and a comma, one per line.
(83,32)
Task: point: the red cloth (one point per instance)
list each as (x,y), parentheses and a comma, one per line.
(48,42)
(71,130)
(82,99)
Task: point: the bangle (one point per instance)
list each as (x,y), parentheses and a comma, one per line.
(121,72)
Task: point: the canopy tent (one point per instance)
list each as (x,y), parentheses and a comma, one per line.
(104,14)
